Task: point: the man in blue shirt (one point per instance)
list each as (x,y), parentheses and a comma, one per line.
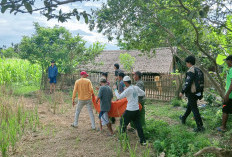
(52,73)
(121,85)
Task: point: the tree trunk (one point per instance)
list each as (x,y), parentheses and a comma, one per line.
(42,84)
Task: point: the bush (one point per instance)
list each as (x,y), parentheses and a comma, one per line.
(174,140)
(176,102)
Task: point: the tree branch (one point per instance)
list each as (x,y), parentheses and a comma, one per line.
(199,46)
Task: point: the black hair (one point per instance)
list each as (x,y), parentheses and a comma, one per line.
(104,81)
(116,65)
(190,59)
(105,74)
(121,74)
(139,74)
(52,61)
(229,58)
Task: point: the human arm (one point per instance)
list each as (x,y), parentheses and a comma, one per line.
(99,94)
(188,82)
(91,88)
(56,71)
(74,92)
(122,95)
(226,97)
(140,91)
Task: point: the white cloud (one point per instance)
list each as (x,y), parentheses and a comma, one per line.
(93,4)
(12,27)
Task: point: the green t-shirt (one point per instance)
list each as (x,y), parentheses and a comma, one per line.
(228,81)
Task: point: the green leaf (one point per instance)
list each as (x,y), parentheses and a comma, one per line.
(220,59)
(28,7)
(4,8)
(4,1)
(78,17)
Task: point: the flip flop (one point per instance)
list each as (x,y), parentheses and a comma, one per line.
(220,130)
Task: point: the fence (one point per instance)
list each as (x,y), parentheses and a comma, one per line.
(163,87)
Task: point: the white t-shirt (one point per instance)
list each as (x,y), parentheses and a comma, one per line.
(131,93)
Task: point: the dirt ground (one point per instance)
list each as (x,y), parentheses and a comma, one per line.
(56,138)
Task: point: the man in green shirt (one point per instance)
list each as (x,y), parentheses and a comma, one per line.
(227,104)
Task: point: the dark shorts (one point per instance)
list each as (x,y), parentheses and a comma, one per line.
(52,80)
(227,107)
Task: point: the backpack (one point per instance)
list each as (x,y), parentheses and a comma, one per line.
(199,81)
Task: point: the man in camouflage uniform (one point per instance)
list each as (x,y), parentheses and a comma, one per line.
(140,84)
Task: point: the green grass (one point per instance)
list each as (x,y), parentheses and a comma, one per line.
(25,90)
(167,134)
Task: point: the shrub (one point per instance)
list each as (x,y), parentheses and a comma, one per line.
(176,102)
(174,140)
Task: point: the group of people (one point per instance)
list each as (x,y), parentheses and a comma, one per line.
(190,91)
(123,88)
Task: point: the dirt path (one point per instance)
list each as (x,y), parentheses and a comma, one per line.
(56,138)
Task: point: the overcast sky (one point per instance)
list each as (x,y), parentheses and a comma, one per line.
(13,27)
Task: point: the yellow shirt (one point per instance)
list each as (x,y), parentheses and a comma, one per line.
(84,89)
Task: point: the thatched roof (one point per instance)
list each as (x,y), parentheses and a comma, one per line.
(160,62)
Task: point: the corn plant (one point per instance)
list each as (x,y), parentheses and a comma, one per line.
(19,71)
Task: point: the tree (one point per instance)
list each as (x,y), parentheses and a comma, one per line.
(195,27)
(127,61)
(47,8)
(56,44)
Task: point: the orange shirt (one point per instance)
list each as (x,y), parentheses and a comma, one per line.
(84,89)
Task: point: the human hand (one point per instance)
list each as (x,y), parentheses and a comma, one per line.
(114,87)
(73,103)
(49,80)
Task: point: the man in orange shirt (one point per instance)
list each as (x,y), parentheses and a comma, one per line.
(84,88)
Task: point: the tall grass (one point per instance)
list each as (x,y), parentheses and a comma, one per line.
(14,119)
(18,71)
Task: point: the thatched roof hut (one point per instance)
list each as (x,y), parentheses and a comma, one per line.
(161,62)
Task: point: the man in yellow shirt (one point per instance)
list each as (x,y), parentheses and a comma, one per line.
(84,88)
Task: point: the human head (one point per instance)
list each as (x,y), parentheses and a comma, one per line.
(84,74)
(52,62)
(121,76)
(190,61)
(103,81)
(127,81)
(229,60)
(116,66)
(105,75)
(137,75)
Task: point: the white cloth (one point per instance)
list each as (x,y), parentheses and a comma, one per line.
(80,105)
(131,93)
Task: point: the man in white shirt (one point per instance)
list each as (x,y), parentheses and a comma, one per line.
(132,111)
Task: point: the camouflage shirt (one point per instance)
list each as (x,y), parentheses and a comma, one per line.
(140,84)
